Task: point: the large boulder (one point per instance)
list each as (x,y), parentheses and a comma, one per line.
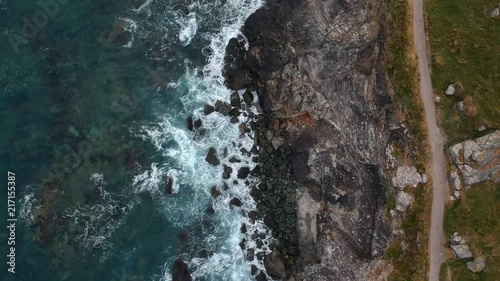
(406,176)
(181,272)
(275,266)
(461,252)
(477,265)
(478,159)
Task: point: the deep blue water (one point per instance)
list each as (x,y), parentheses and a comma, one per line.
(93,105)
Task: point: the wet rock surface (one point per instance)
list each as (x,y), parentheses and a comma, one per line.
(181,272)
(317,69)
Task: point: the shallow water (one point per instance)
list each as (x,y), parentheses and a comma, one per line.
(94,107)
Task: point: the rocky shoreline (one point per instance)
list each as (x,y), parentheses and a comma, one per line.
(317,68)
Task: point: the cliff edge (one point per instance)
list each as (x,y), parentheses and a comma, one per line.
(318,69)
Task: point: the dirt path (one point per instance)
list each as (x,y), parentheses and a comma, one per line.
(435,138)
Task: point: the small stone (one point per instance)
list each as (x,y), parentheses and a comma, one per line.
(250,254)
(403,201)
(227,172)
(234,159)
(261,277)
(243,128)
(269,135)
(222,107)
(495,13)
(450,91)
(236,202)
(243,172)
(197,123)
(248,97)
(169,186)
(215,192)
(406,176)
(275,266)
(253,270)
(235,100)
(207,109)
(189,122)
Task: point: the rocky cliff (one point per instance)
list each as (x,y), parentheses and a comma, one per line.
(317,67)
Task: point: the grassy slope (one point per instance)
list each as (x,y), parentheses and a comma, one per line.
(465,44)
(476,216)
(409,264)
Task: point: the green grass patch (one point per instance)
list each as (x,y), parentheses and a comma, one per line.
(465,46)
(401,67)
(411,264)
(476,216)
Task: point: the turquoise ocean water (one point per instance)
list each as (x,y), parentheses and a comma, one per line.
(93,105)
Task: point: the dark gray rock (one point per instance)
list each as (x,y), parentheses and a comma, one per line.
(275,265)
(243,172)
(236,202)
(189,123)
(211,157)
(169,184)
(235,100)
(248,97)
(181,272)
(207,109)
(222,107)
(215,192)
(261,277)
(227,172)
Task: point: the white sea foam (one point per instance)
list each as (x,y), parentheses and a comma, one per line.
(149,180)
(95,223)
(184,151)
(188,27)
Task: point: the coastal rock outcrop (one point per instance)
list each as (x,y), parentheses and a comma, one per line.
(317,68)
(477,160)
(181,272)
